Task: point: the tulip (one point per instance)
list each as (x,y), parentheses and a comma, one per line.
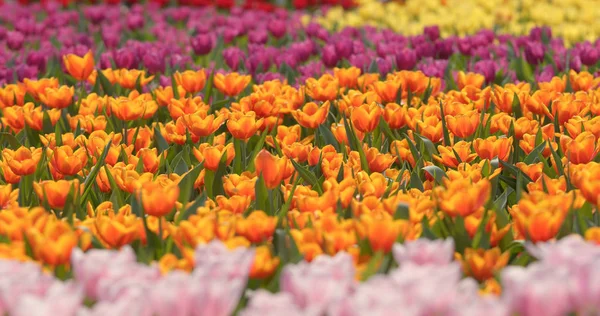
(23,161)
(129,78)
(461,197)
(192,81)
(257,227)
(365,118)
(159,200)
(311,115)
(55,193)
(421,252)
(211,155)
(58,98)
(202,44)
(231,84)
(271,168)
(243,125)
(323,89)
(78,67)
(493,147)
(67,161)
(483,264)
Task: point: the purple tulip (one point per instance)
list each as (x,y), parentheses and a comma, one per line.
(589,55)
(538,33)
(329,56)
(487,68)
(125,58)
(406,59)
(233,56)
(344,48)
(258,36)
(444,48)
(464,46)
(135,21)
(361,61)
(534,53)
(432,32)
(15,40)
(277,28)
(424,50)
(154,62)
(202,44)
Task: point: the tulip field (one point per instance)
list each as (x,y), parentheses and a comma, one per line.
(299,157)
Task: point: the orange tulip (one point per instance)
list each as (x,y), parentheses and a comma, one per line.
(401,149)
(88,123)
(271,168)
(178,108)
(126,109)
(469,79)
(211,155)
(311,115)
(463,125)
(192,81)
(377,161)
(164,95)
(243,125)
(34,116)
(55,193)
(533,171)
(67,161)
(257,227)
(243,184)
(128,78)
(78,67)
(582,149)
(592,234)
(583,81)
(117,229)
(264,263)
(8,174)
(201,124)
(366,80)
(37,87)
(159,200)
(12,94)
(448,154)
(493,147)
(387,90)
(58,98)
(323,89)
(483,264)
(53,243)
(382,234)
(23,161)
(461,197)
(14,117)
(347,77)
(365,118)
(231,84)
(395,115)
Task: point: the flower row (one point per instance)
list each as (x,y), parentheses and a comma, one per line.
(278,45)
(427,281)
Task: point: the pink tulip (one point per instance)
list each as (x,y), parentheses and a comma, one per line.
(423,251)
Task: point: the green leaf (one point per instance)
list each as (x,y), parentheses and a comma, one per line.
(161,143)
(186,184)
(402,211)
(308,176)
(285,247)
(191,210)
(258,147)
(328,137)
(459,233)
(445,126)
(105,83)
(12,141)
(91,178)
(436,172)
(534,154)
(261,193)
(219,174)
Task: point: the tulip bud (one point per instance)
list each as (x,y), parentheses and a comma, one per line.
(125,58)
(277,28)
(202,44)
(534,53)
(406,59)
(14,40)
(330,57)
(135,21)
(589,55)
(233,56)
(432,32)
